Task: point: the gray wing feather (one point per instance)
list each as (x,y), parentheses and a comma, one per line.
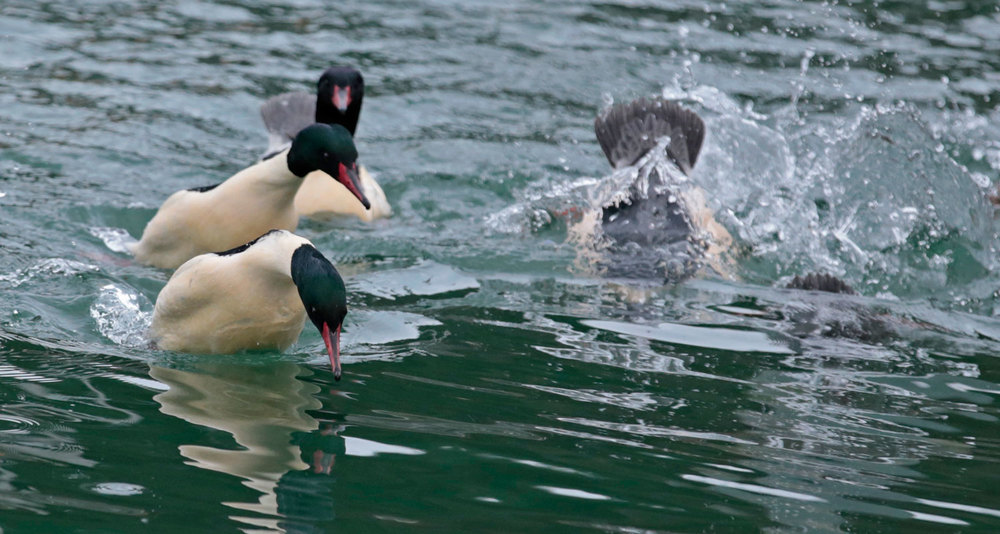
(285,116)
(627,131)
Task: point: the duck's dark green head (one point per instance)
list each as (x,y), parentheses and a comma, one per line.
(338,97)
(327,148)
(324,296)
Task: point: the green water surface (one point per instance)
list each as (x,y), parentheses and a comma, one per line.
(490,384)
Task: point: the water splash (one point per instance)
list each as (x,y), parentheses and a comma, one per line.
(540,206)
(870,195)
(909,215)
(121,315)
(116,239)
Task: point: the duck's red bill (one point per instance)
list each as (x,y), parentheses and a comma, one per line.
(341,97)
(351,180)
(333,348)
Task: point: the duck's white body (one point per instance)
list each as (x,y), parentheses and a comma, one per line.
(248,204)
(323,198)
(222,304)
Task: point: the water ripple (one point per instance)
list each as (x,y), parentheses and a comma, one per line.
(646,429)
(443,427)
(48,267)
(368,448)
(574,493)
(704,337)
(18,425)
(11,371)
(753,488)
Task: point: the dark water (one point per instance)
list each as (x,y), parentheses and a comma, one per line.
(490,384)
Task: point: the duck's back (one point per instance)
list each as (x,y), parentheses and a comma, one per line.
(210,219)
(178,216)
(214,304)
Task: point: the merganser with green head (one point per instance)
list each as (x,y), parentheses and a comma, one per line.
(251,202)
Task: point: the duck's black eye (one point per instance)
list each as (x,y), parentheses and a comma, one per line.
(326,155)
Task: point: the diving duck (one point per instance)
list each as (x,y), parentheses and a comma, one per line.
(339,93)
(660,225)
(251,202)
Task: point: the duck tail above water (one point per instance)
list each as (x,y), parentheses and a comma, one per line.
(285,115)
(627,131)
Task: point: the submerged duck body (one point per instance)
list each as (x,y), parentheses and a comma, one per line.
(338,98)
(253,297)
(251,202)
(660,226)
